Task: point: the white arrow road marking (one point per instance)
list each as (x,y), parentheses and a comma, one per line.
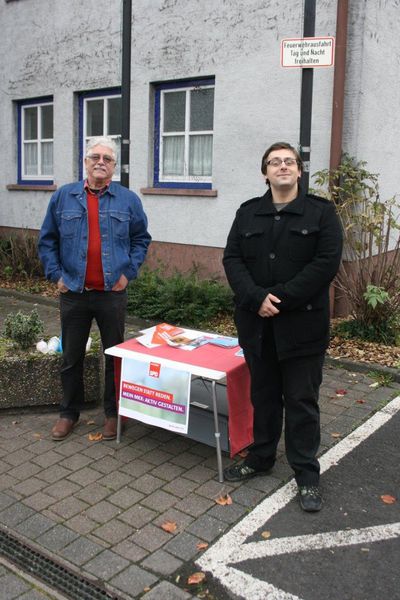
(232,545)
(317,541)
(237,581)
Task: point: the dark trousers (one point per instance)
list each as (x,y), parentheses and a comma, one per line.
(288,387)
(77,312)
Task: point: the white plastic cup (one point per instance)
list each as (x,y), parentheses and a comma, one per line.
(54,344)
(42,347)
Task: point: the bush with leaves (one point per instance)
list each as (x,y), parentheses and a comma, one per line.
(182,299)
(369,276)
(23,329)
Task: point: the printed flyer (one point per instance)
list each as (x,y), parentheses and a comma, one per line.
(155,394)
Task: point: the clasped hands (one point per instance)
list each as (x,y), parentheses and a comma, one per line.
(268,308)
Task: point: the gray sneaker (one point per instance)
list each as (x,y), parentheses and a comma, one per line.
(241,472)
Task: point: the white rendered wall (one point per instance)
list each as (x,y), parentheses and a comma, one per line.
(53,47)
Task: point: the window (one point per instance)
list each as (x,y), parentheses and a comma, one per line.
(35,141)
(184,123)
(100,115)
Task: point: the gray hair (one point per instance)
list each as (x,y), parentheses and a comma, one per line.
(102,141)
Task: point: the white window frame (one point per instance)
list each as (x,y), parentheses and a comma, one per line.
(86,138)
(24,177)
(186,177)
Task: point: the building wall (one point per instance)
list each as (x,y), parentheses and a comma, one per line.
(62,48)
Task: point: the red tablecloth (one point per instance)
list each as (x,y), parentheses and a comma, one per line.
(220,359)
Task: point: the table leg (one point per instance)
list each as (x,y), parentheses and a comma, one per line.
(119,428)
(217,433)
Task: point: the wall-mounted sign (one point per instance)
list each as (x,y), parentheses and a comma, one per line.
(308,52)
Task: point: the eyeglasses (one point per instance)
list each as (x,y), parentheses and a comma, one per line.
(105,157)
(276,162)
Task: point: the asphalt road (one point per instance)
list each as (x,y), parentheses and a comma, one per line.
(348,551)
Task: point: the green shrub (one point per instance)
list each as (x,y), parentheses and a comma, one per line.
(23,329)
(385,332)
(19,256)
(369,276)
(182,299)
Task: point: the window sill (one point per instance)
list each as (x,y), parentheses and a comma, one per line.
(158,191)
(30,187)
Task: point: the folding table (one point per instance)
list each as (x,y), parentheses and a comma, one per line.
(209,362)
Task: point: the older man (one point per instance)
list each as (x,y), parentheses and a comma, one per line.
(92,242)
(283,250)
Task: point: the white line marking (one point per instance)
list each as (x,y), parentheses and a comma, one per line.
(255,588)
(231,545)
(318,541)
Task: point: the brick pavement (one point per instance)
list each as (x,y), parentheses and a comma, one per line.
(98,507)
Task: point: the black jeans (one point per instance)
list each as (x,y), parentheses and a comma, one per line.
(289,387)
(77,312)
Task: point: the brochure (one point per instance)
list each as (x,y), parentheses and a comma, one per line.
(224,341)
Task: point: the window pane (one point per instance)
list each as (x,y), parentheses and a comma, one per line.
(47,158)
(30,123)
(174,111)
(202,109)
(47,122)
(174,155)
(200,155)
(30,159)
(114,116)
(94,117)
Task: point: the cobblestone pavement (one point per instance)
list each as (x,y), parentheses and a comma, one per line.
(97,507)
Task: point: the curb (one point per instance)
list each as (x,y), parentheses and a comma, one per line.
(349,365)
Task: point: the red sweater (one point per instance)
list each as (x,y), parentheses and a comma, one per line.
(94,269)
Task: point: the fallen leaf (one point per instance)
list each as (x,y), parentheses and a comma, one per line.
(266,534)
(360,401)
(196,578)
(243,453)
(224,500)
(336,434)
(201,545)
(95,437)
(341,392)
(169,526)
(91,422)
(388,499)
(37,435)
(146,589)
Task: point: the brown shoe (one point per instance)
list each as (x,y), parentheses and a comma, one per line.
(62,428)
(110,428)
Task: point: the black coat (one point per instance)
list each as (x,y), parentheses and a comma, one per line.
(293,254)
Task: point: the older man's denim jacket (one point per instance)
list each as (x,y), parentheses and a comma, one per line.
(63,240)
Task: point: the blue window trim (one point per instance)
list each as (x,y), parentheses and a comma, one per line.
(157,133)
(82,97)
(20,104)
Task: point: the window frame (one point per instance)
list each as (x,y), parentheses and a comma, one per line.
(185,181)
(102,94)
(39,179)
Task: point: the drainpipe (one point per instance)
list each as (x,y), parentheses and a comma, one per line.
(338,84)
(126,90)
(338,106)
